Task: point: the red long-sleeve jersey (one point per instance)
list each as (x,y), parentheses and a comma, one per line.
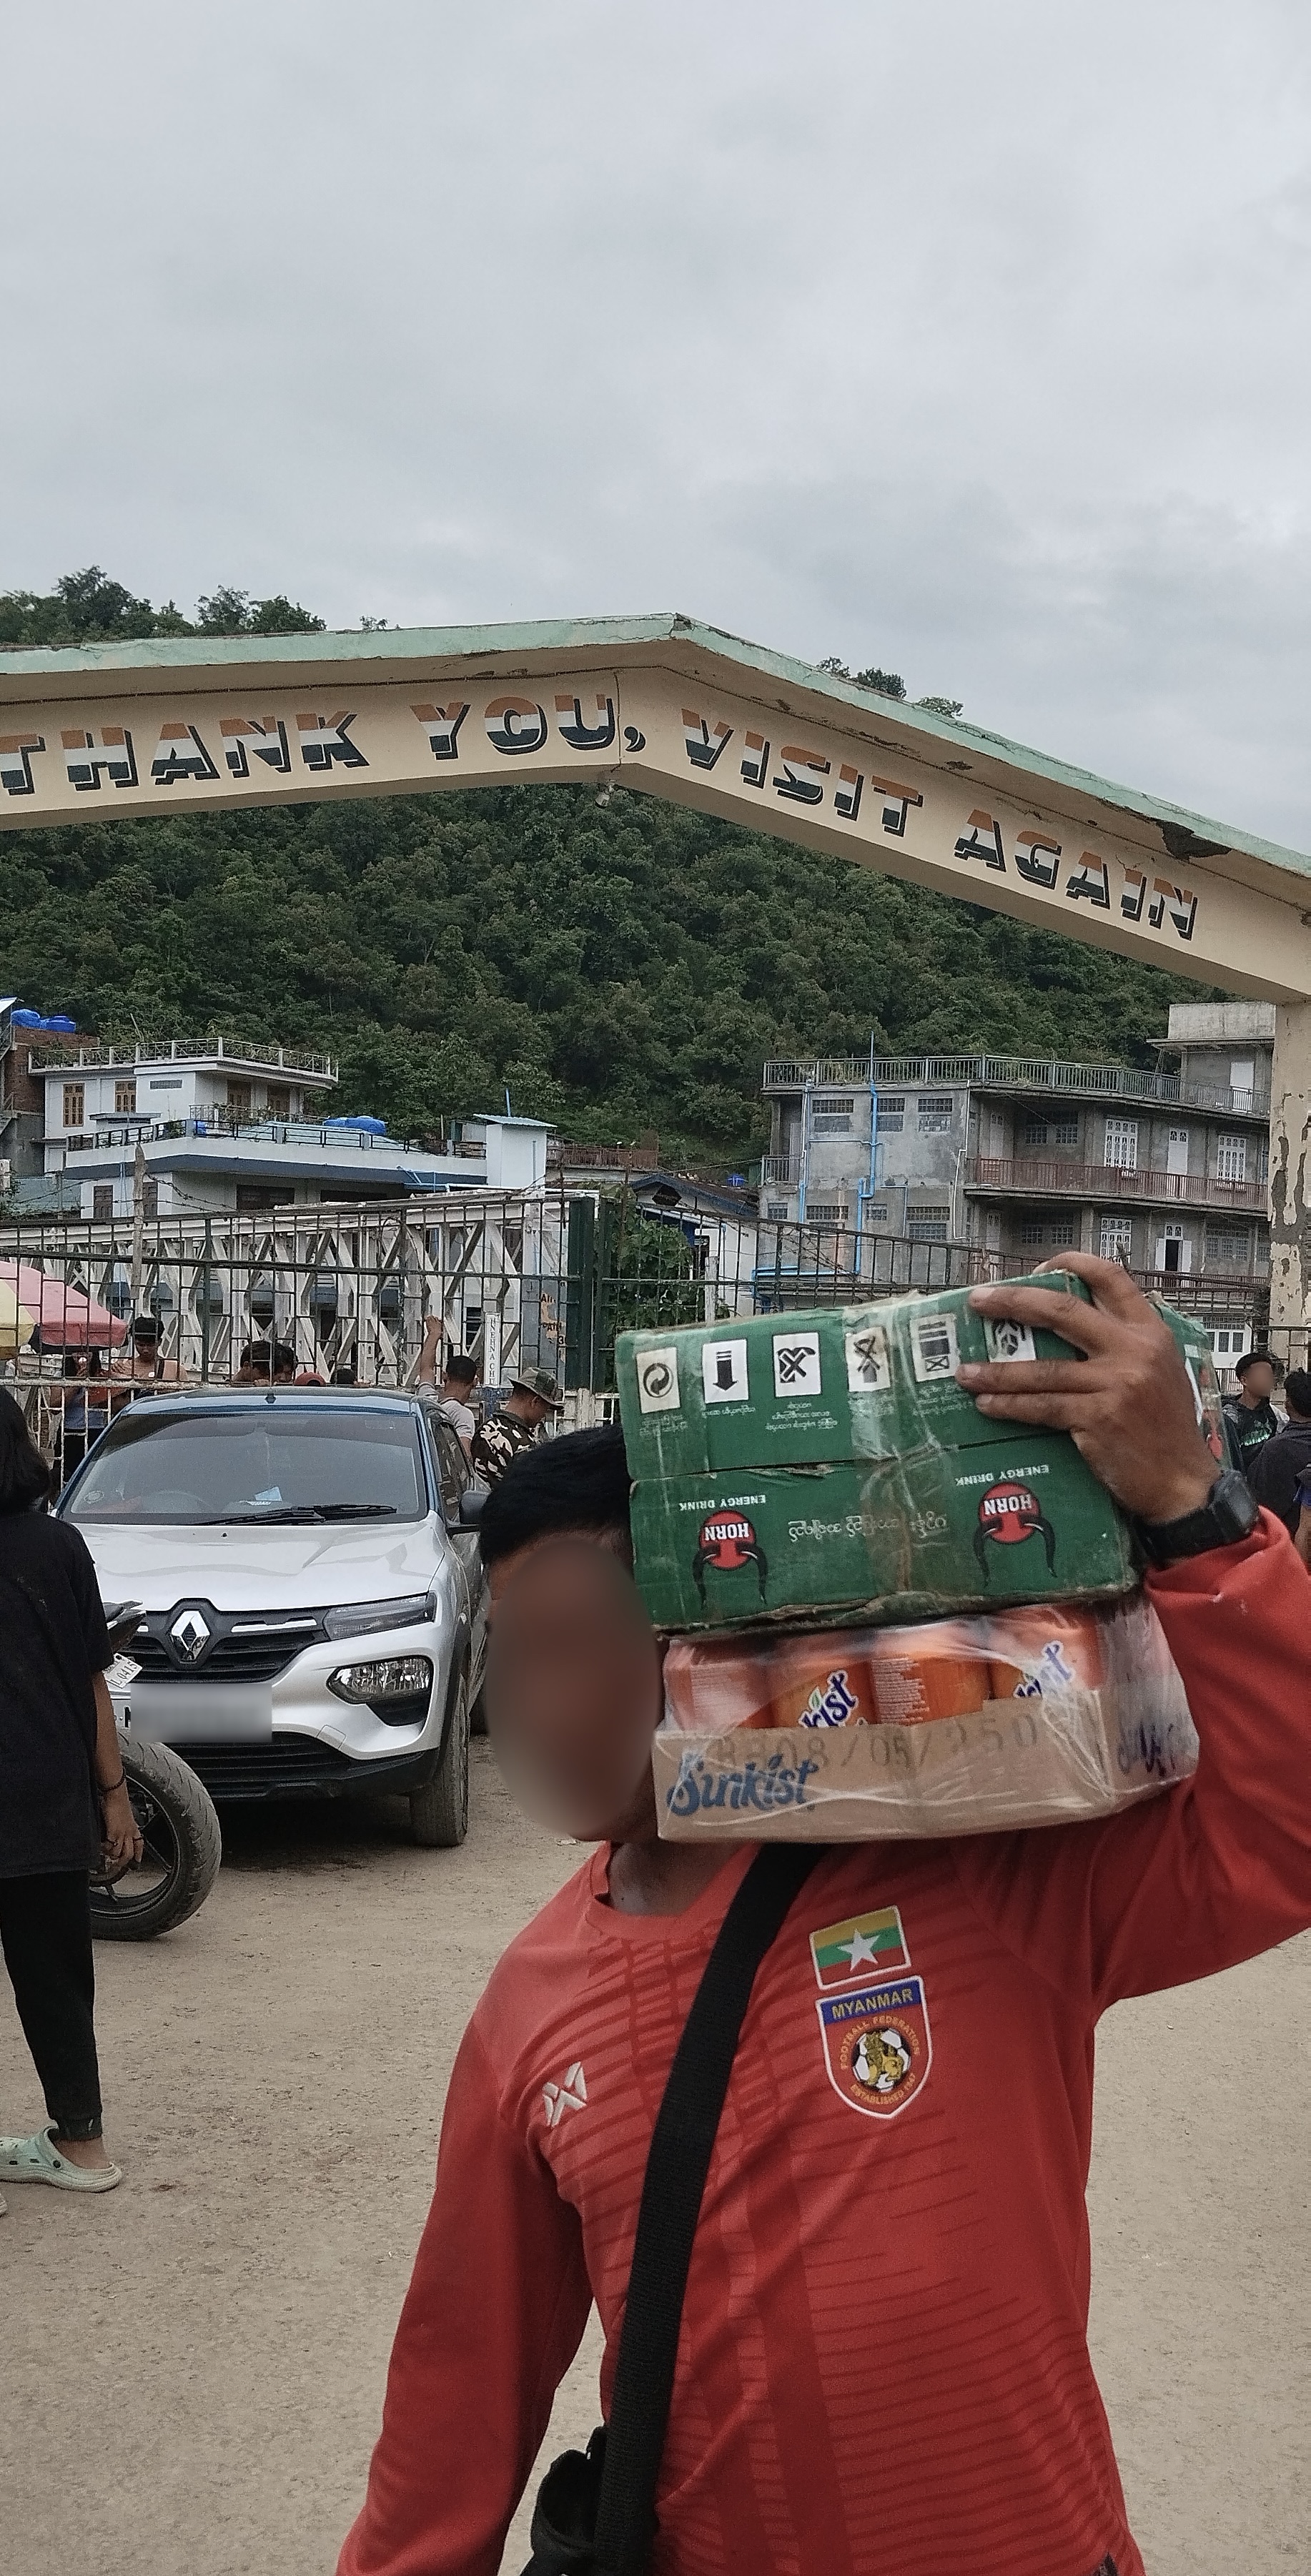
(884,2367)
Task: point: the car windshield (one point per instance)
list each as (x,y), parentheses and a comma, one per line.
(337,1463)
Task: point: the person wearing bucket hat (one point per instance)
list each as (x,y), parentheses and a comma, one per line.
(534,1395)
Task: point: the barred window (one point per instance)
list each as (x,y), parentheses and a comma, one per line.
(935,1113)
(1035,1131)
(1063,1233)
(1066,1131)
(1031,1229)
(928,1224)
(892,1114)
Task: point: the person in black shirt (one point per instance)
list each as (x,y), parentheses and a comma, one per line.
(1250,1414)
(1274,1472)
(63,1799)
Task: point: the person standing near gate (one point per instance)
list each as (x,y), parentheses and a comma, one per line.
(62,1799)
(1250,1414)
(534,1396)
(1279,1463)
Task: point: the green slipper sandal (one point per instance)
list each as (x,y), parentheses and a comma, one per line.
(38,2159)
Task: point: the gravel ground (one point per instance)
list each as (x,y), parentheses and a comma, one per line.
(191,2369)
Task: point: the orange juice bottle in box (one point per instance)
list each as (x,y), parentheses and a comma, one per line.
(821,1680)
(1053,1650)
(939,1670)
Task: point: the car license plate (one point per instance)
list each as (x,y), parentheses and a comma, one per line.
(183,1713)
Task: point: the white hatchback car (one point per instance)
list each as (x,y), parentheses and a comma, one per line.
(315,1608)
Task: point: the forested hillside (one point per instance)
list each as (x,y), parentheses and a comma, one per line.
(619,968)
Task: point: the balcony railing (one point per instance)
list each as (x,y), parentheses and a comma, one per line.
(1013,1073)
(779,1172)
(294,1135)
(1111,1181)
(71,1055)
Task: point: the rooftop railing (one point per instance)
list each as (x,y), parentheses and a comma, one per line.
(73,1055)
(1010,1073)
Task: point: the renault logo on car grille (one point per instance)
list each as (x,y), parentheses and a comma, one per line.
(190,1635)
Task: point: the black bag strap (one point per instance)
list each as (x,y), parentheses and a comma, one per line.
(676,2168)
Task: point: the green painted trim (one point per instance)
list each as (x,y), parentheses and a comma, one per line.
(196,655)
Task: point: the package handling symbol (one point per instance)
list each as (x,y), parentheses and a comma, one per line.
(724,1372)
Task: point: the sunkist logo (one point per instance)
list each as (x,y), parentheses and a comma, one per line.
(831,1703)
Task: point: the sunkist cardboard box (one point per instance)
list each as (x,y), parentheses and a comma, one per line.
(789,1468)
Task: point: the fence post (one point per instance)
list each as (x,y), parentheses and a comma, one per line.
(580,1292)
(205,1276)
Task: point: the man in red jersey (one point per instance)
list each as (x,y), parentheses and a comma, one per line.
(884,2367)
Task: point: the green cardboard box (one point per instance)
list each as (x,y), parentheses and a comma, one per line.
(789,1468)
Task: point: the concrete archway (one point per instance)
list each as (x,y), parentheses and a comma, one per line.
(685,711)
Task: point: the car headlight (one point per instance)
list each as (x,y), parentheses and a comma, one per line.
(393,1677)
(358,1618)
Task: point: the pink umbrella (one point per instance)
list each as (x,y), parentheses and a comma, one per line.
(67,1318)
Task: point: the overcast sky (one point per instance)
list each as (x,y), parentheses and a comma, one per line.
(969,338)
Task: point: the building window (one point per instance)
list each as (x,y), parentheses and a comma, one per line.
(928,1224)
(1242,1079)
(74,1103)
(935,1113)
(826,1212)
(150,1198)
(1066,1131)
(777,1211)
(892,1115)
(1063,1233)
(1230,1160)
(1116,1241)
(279,1100)
(238,1101)
(102,1202)
(125,1100)
(1035,1131)
(1121,1146)
(1228,1247)
(1031,1229)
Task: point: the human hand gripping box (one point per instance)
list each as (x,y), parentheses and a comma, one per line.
(1034,1716)
(790,1469)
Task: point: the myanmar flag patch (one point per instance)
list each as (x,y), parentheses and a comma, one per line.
(845,1953)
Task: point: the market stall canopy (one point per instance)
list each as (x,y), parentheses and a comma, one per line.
(68,1318)
(16,1324)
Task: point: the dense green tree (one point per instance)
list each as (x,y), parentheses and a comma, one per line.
(617,969)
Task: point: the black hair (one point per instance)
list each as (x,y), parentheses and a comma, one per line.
(24,1476)
(1297,1393)
(1249,1360)
(460,1366)
(578,1482)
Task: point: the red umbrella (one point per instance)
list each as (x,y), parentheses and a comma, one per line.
(67,1318)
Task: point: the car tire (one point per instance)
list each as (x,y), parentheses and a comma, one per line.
(439,1812)
(181,1828)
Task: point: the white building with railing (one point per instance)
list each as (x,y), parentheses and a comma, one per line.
(222,1126)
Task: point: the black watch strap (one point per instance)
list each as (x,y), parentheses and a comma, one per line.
(1229,1513)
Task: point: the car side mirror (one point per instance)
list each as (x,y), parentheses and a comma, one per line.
(473,1503)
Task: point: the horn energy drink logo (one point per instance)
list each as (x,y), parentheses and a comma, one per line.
(1010,1513)
(727,1544)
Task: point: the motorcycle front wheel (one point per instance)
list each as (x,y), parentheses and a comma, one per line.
(182,1849)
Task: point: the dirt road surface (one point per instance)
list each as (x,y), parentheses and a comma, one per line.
(191,2369)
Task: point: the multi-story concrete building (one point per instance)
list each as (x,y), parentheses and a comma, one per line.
(222,1127)
(1022,1158)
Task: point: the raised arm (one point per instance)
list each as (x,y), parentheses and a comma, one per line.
(492,2319)
(1220,1868)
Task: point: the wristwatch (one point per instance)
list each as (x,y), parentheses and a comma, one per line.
(1229,1513)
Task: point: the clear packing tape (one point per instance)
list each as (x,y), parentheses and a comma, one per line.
(1037,1716)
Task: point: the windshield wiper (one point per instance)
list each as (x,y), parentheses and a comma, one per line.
(300,1513)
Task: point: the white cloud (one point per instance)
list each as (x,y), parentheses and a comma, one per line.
(973,341)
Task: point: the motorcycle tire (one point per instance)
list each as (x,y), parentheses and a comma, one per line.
(183,1848)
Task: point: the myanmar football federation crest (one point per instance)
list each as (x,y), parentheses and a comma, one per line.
(877,2047)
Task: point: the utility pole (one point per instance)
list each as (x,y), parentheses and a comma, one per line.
(138,1223)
